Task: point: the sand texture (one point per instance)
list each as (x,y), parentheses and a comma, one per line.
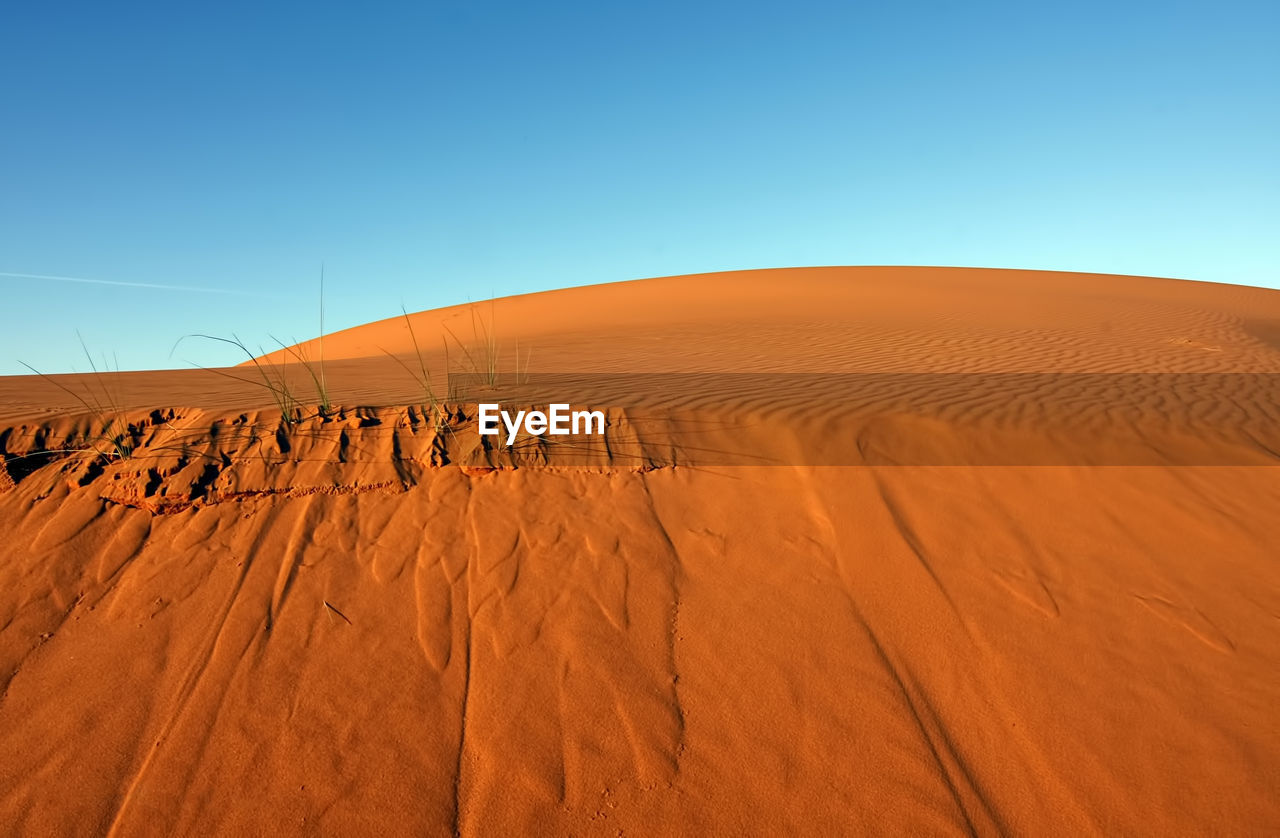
(863,551)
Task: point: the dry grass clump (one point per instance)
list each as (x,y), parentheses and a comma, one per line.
(431,404)
(482,356)
(275,377)
(110,436)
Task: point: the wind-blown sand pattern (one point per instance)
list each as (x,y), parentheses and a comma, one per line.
(1028,584)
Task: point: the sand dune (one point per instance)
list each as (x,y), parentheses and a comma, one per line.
(864,550)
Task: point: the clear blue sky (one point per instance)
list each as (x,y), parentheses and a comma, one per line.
(431,153)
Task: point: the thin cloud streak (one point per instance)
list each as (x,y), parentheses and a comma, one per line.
(156,286)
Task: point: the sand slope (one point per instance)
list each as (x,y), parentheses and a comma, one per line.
(363,623)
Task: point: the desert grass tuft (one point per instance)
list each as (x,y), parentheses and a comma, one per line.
(481,355)
(114,441)
(315,370)
(522,376)
(275,379)
(430,402)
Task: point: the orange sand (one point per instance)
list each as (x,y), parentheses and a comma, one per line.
(357,625)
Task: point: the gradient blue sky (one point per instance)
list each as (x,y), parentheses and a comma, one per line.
(432,153)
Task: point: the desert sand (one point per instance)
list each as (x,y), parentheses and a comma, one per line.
(866,551)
